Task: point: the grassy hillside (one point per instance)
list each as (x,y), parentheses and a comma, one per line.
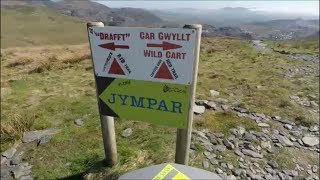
(30,26)
(307,46)
(51,86)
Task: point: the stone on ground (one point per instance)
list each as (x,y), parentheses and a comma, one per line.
(273,164)
(214,93)
(127,132)
(263,125)
(35,135)
(205,164)
(310,140)
(284,140)
(10,152)
(251,153)
(228,144)
(198,109)
(78,122)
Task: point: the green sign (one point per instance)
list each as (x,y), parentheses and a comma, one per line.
(153,102)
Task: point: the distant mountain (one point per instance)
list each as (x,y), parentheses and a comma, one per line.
(92,11)
(245,23)
(235,22)
(229,16)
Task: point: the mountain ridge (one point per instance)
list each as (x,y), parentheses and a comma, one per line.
(93,11)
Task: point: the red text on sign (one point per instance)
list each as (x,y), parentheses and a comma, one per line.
(165,36)
(168,54)
(112,37)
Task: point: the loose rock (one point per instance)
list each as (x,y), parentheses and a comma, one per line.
(206,153)
(273,164)
(214,93)
(240,110)
(238,152)
(230,166)
(249,137)
(263,125)
(224,107)
(314,128)
(231,177)
(127,132)
(228,144)
(78,122)
(219,171)
(250,174)
(266,144)
(241,130)
(251,153)
(211,105)
(288,126)
(4,172)
(193,147)
(236,172)
(213,161)
(315,168)
(198,109)
(220,148)
(26,178)
(284,140)
(35,135)
(276,118)
(310,141)
(205,164)
(15,161)
(43,140)
(10,152)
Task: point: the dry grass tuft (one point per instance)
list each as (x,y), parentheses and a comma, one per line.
(76,59)
(17,124)
(19,62)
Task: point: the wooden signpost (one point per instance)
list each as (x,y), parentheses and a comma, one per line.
(145,74)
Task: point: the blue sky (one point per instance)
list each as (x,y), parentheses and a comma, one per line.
(296,7)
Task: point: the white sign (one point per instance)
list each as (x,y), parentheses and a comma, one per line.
(150,54)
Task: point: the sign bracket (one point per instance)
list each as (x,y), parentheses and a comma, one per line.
(184,135)
(107,122)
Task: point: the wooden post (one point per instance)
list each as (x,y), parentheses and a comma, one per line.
(107,122)
(184,135)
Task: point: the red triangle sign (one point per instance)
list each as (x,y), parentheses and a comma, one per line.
(115,68)
(163,72)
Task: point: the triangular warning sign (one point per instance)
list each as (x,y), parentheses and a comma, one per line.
(115,68)
(163,72)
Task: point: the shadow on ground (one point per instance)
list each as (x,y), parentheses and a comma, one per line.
(98,167)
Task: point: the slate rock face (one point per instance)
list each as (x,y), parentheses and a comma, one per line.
(4,172)
(36,135)
(10,152)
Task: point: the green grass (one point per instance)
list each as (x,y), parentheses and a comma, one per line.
(32,26)
(223,122)
(306,46)
(231,66)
